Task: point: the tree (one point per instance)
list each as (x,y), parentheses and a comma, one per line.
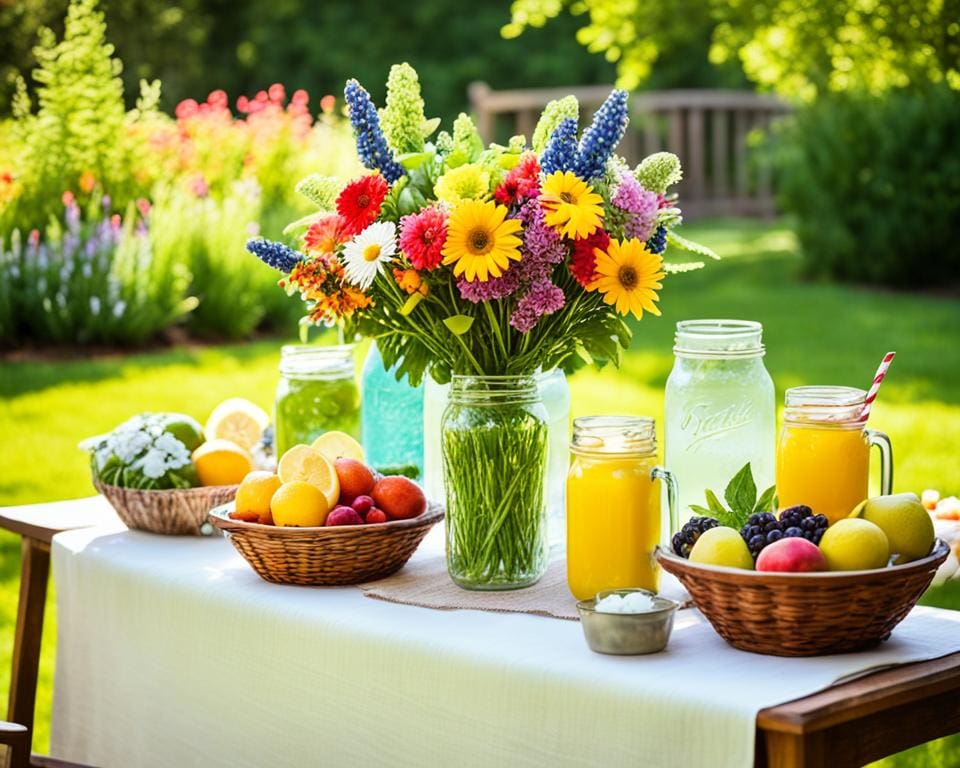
(796,47)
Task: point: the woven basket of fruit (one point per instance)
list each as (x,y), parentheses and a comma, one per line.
(163,473)
(326,518)
(327,555)
(805,614)
(175,511)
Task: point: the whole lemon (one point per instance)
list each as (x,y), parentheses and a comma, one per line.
(722,546)
(256,491)
(906,522)
(299,504)
(853,544)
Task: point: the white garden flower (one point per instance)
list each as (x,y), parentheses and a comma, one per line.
(366,254)
(153,464)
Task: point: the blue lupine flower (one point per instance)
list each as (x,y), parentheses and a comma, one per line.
(276,255)
(601,138)
(658,240)
(372,146)
(561,151)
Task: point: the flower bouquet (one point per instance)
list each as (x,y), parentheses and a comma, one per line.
(482,265)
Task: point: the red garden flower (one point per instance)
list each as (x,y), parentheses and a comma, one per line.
(522,182)
(422,236)
(583,264)
(359,203)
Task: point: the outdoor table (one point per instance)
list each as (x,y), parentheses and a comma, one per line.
(172,651)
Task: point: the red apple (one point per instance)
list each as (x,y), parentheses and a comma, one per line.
(399,497)
(356,479)
(793,555)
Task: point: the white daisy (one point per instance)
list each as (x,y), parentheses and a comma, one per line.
(365,255)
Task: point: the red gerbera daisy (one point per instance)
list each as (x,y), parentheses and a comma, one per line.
(583,263)
(359,203)
(522,182)
(422,236)
(326,234)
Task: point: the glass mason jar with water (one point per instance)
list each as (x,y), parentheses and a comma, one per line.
(720,409)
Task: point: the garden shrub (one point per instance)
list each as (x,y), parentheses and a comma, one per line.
(874,183)
(87,280)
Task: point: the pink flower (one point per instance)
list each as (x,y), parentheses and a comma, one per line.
(422,236)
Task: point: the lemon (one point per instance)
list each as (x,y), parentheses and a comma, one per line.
(221,462)
(722,546)
(853,544)
(255,492)
(905,521)
(304,463)
(339,445)
(299,504)
(239,421)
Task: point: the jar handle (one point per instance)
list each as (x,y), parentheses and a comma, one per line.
(881,441)
(673,494)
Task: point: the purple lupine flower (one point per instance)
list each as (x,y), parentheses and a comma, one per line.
(601,137)
(543,298)
(640,204)
(658,241)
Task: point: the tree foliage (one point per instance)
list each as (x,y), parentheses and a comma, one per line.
(797,47)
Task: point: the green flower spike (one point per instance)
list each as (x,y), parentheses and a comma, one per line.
(659,171)
(403,120)
(553,114)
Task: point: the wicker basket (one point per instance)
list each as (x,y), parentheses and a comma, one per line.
(334,556)
(805,614)
(177,512)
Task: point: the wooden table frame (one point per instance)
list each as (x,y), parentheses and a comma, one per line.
(844,726)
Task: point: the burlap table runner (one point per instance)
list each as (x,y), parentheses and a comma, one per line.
(424,582)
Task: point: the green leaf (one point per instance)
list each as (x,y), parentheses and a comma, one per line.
(741,493)
(413,160)
(302,223)
(429,126)
(458,324)
(767,501)
(411,303)
(703,511)
(714,503)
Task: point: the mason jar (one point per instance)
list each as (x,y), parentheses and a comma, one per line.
(494,442)
(317,393)
(720,409)
(614,516)
(823,454)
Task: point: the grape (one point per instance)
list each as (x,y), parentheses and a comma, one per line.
(684,539)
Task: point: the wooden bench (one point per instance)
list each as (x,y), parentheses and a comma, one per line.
(711,131)
(844,726)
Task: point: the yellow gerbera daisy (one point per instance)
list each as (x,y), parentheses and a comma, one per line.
(572,207)
(480,240)
(629,276)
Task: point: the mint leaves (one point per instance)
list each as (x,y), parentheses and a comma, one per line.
(741,497)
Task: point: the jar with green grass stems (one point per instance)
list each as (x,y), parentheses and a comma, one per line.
(495,446)
(317,393)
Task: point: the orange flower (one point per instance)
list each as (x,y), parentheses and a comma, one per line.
(411,282)
(87,182)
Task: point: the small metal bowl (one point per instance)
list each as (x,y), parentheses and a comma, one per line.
(627,634)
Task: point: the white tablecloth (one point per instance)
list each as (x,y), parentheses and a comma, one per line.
(172,652)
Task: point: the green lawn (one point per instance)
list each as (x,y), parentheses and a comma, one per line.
(815,333)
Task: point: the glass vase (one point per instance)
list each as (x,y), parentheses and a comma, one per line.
(495,447)
(391,419)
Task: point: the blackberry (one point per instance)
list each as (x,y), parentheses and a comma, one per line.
(763,528)
(686,537)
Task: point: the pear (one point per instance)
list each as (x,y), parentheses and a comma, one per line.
(906,522)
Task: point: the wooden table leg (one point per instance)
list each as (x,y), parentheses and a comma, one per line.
(794,750)
(34,574)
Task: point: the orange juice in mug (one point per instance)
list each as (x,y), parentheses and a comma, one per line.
(823,455)
(613,505)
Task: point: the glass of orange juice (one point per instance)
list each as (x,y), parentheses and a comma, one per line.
(823,455)
(613,505)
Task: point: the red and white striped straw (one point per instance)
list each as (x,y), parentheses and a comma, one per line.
(875,387)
